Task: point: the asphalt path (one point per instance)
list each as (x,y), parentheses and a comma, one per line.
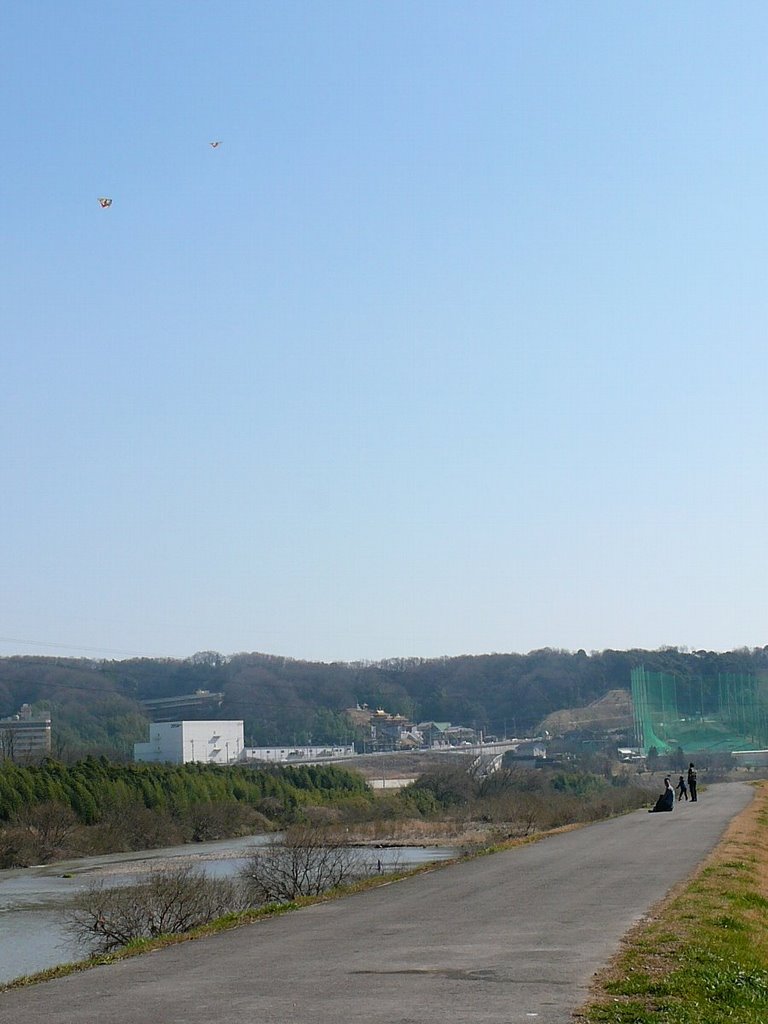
(516,936)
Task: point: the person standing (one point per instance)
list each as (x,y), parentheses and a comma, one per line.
(682,788)
(692,781)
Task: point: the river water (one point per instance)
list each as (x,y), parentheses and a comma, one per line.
(32,900)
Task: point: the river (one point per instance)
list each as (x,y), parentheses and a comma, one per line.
(32,900)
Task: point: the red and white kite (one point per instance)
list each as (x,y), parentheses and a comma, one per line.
(104,203)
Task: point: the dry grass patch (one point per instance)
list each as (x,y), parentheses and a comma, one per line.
(417,832)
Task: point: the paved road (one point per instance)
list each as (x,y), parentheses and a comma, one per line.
(512,937)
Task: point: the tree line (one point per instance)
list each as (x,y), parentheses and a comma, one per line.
(52,810)
(95,787)
(95,704)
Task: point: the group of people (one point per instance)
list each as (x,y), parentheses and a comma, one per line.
(684,787)
(666,801)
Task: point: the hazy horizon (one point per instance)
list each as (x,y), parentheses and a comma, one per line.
(102,654)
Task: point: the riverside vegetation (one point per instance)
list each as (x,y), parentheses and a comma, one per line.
(51,811)
(325,814)
(305,862)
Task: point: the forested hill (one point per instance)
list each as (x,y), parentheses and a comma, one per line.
(95,703)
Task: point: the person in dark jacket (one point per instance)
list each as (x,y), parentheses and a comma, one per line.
(692,781)
(666,801)
(682,789)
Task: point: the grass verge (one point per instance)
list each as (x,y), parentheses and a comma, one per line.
(702,956)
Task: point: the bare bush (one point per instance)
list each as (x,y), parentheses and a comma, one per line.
(39,834)
(270,807)
(165,902)
(307,861)
(217,819)
(16,849)
(526,813)
(129,826)
(322,816)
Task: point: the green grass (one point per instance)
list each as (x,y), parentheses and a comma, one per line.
(704,958)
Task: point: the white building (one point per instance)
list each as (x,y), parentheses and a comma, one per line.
(750,758)
(289,753)
(181,742)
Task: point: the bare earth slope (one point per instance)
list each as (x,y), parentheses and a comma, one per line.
(516,936)
(612,711)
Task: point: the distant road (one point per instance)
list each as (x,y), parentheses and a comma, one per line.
(513,937)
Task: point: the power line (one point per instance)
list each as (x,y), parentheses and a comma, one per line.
(74,647)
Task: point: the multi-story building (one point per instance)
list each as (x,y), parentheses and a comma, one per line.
(25,738)
(181,742)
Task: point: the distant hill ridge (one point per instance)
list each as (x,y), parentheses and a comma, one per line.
(95,704)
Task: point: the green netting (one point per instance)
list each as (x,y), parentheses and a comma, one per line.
(725,713)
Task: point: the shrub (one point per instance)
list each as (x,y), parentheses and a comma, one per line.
(307,861)
(165,902)
(39,834)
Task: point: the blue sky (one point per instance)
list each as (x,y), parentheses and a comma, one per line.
(456,344)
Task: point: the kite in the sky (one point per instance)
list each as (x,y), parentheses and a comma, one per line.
(104,203)
(216,144)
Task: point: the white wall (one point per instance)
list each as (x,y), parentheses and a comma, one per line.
(752,758)
(304,753)
(182,742)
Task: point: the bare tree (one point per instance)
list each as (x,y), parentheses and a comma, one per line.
(46,828)
(165,902)
(307,861)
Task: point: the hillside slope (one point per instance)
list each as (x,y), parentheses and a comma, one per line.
(95,704)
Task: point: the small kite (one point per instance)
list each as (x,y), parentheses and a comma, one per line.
(216,144)
(104,202)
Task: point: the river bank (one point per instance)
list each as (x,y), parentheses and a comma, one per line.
(33,900)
